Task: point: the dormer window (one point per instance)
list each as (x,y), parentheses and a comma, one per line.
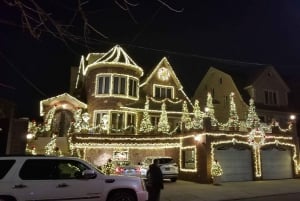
(271,97)
(161,91)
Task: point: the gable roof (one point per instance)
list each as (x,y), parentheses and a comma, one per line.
(165,63)
(65,97)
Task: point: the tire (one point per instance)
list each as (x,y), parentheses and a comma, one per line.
(121,195)
(173,179)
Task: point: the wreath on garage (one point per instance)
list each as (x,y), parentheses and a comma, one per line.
(257,137)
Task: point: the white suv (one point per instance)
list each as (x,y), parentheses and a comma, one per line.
(167,165)
(63,178)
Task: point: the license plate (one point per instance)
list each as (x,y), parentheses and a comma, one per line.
(167,169)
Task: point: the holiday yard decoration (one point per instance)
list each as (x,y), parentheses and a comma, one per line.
(146,126)
(163,125)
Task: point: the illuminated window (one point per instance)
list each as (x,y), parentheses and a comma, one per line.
(163,92)
(119,86)
(188,159)
(103,84)
(270,97)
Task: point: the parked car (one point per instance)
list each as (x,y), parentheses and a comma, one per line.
(63,178)
(167,165)
(126,168)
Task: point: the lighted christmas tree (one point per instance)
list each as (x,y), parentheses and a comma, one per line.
(146,126)
(252,120)
(233,121)
(185,118)
(163,125)
(216,169)
(78,120)
(51,148)
(49,118)
(198,120)
(210,111)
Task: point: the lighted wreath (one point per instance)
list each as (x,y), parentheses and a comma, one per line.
(256,137)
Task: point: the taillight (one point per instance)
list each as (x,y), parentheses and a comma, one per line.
(119,170)
(138,169)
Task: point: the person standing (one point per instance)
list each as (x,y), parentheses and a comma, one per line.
(155,181)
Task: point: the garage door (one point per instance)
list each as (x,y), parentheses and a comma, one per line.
(276,163)
(236,164)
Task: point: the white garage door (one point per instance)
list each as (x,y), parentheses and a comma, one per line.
(276,164)
(236,164)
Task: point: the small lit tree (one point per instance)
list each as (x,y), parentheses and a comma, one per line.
(216,169)
(163,125)
(51,148)
(185,118)
(198,120)
(252,120)
(233,121)
(146,126)
(210,110)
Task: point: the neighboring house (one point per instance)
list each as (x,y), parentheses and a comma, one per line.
(116,112)
(220,85)
(262,83)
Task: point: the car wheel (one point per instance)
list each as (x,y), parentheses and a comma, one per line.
(173,179)
(122,196)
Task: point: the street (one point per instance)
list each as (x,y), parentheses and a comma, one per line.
(291,196)
(288,189)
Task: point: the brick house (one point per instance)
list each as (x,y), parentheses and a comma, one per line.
(114,109)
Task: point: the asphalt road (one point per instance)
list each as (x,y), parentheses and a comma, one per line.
(281,197)
(270,190)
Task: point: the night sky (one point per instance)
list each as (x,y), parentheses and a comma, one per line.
(32,69)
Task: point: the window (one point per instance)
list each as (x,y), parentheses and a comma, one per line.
(270,97)
(46,169)
(154,121)
(102,120)
(130,119)
(163,92)
(103,84)
(132,88)
(5,166)
(117,122)
(119,86)
(188,158)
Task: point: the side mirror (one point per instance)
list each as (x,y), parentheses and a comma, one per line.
(88,174)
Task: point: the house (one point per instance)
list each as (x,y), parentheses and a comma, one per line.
(116,112)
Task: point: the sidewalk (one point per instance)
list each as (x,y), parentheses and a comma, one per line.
(189,191)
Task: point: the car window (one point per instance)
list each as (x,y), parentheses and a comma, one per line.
(48,169)
(165,160)
(5,166)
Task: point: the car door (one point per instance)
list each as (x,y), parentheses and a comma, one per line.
(57,179)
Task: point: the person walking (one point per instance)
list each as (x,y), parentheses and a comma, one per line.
(155,181)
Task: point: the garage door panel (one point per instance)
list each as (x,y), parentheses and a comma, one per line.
(276,164)
(236,164)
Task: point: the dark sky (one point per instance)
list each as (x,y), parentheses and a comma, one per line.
(32,69)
